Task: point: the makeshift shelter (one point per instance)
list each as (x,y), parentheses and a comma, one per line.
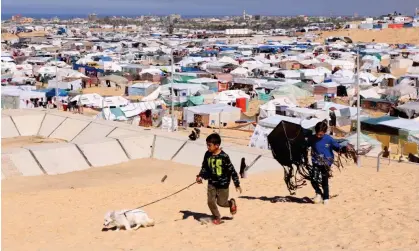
(322,89)
(70,85)
(213,115)
(276,106)
(374,125)
(366,142)
(211,83)
(19,97)
(230,97)
(377,104)
(152,75)
(410,108)
(291,91)
(240,72)
(130,110)
(307,113)
(141,89)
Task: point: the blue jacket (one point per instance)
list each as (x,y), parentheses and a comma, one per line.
(322,149)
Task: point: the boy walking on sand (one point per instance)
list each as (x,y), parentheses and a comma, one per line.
(218,170)
(322,157)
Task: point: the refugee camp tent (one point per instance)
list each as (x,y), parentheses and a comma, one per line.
(366,142)
(216,114)
(306,113)
(405,88)
(211,83)
(409,108)
(275,107)
(71,85)
(141,89)
(374,125)
(409,125)
(265,126)
(230,97)
(130,110)
(291,91)
(240,72)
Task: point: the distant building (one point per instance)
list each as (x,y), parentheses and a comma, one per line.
(92,17)
(175,16)
(257,17)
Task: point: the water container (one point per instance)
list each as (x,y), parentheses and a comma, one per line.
(241,103)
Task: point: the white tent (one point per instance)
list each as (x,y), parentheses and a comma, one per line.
(90,99)
(269,109)
(72,85)
(228,60)
(306,113)
(218,113)
(153,96)
(23,95)
(230,96)
(133,109)
(240,72)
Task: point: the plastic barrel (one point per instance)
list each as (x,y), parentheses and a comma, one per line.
(241,103)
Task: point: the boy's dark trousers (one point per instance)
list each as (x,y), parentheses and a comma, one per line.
(321,172)
(217,196)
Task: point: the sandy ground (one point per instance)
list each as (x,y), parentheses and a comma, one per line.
(370,211)
(26,140)
(407,35)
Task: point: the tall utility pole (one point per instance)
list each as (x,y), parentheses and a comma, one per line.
(172,91)
(56,78)
(358,110)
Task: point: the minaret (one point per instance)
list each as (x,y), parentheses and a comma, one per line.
(244,14)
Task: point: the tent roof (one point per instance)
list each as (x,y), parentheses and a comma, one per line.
(406,124)
(273,121)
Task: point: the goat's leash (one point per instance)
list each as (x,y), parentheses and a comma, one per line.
(170,195)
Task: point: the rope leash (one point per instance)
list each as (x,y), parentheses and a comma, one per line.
(170,195)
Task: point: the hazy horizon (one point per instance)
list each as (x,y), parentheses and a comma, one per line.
(209,8)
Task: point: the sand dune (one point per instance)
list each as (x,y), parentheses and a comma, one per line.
(371,211)
(391,36)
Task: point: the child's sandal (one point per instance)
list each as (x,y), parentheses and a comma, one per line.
(233,206)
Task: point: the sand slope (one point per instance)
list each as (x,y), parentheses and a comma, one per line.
(372,211)
(390,36)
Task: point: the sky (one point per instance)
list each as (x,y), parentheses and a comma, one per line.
(209,7)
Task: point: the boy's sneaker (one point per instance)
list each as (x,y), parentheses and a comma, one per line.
(233,206)
(317,199)
(325,202)
(216,221)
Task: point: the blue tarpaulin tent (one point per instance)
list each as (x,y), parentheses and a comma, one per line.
(51,92)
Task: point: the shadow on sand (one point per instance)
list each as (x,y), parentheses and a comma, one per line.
(289,199)
(199,216)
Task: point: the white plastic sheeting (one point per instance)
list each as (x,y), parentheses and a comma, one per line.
(218,113)
(269,109)
(306,113)
(72,85)
(133,109)
(409,108)
(230,96)
(405,124)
